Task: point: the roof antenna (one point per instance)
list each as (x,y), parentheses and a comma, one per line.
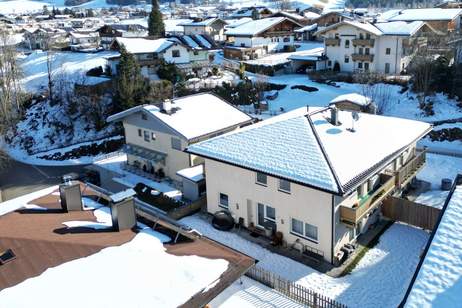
(354,117)
(307,109)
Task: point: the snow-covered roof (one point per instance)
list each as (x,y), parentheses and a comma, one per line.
(426,14)
(311,15)
(194,115)
(142,45)
(399,27)
(205,22)
(307,28)
(365,26)
(290,15)
(233,23)
(194,174)
(308,149)
(439,280)
(310,55)
(255,27)
(356,98)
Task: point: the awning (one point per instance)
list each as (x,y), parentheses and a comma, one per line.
(151,155)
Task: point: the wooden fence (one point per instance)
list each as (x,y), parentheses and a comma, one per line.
(292,290)
(412,213)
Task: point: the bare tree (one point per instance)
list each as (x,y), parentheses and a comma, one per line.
(372,87)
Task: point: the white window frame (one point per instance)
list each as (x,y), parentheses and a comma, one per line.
(225,206)
(304,236)
(261,183)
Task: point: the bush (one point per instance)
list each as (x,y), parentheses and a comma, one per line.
(304,88)
(427,108)
(95,72)
(170,72)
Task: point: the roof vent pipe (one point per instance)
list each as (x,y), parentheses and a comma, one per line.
(167,106)
(334,116)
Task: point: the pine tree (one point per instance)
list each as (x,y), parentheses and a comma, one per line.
(156,27)
(129,83)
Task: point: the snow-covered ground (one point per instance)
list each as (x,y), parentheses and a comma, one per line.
(114,164)
(379,280)
(171,25)
(436,168)
(30,6)
(71,66)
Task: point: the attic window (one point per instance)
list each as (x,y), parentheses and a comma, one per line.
(176,53)
(7,256)
(144,116)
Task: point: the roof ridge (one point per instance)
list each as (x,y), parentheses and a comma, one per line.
(323,150)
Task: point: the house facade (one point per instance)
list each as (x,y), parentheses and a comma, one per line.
(388,47)
(84,41)
(260,37)
(442,20)
(304,174)
(213,27)
(157,136)
(108,33)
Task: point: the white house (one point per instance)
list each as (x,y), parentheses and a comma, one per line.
(385,47)
(213,27)
(443,20)
(156,136)
(311,175)
(259,37)
(84,41)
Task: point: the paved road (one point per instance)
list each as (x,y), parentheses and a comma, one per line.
(19,179)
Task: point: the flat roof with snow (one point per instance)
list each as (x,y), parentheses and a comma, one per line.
(355,98)
(142,45)
(307,149)
(195,115)
(194,174)
(439,279)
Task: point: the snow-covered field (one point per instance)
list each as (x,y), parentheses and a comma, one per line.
(71,66)
(379,280)
(29,6)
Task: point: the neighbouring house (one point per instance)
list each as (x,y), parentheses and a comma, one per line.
(157,136)
(253,11)
(386,47)
(331,18)
(213,27)
(354,102)
(44,38)
(316,178)
(307,33)
(436,281)
(108,33)
(84,41)
(293,16)
(449,4)
(443,20)
(308,60)
(260,37)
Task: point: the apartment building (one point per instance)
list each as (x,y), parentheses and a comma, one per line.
(385,47)
(311,175)
(156,136)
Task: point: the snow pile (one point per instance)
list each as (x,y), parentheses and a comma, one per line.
(22,202)
(379,280)
(103,218)
(136,274)
(439,281)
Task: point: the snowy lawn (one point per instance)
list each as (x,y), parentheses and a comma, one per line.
(71,65)
(436,168)
(380,279)
(130,179)
(137,274)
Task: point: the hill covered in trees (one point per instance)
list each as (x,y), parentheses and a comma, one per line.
(392,3)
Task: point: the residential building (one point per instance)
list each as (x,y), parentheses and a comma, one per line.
(259,37)
(213,27)
(108,33)
(443,20)
(156,137)
(84,41)
(386,47)
(44,38)
(331,18)
(318,177)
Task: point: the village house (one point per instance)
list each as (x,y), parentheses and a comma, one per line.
(157,136)
(84,41)
(331,18)
(442,20)
(386,47)
(44,38)
(213,27)
(108,33)
(260,37)
(315,177)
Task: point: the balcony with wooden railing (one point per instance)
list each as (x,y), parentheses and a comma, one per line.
(362,57)
(407,172)
(332,41)
(352,215)
(364,42)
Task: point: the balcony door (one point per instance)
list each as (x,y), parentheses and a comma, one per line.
(266,216)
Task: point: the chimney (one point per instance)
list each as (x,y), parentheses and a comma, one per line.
(334,116)
(71,196)
(167,106)
(123,210)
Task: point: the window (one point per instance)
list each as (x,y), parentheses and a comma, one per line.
(176,144)
(367,51)
(360,65)
(360,50)
(224,200)
(176,53)
(146,136)
(347,44)
(388,51)
(262,179)
(366,66)
(311,232)
(305,230)
(144,116)
(266,216)
(195,52)
(387,68)
(153,136)
(361,36)
(284,185)
(368,36)
(139,133)
(329,63)
(286,39)
(347,59)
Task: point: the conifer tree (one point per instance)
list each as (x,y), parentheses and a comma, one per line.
(156,27)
